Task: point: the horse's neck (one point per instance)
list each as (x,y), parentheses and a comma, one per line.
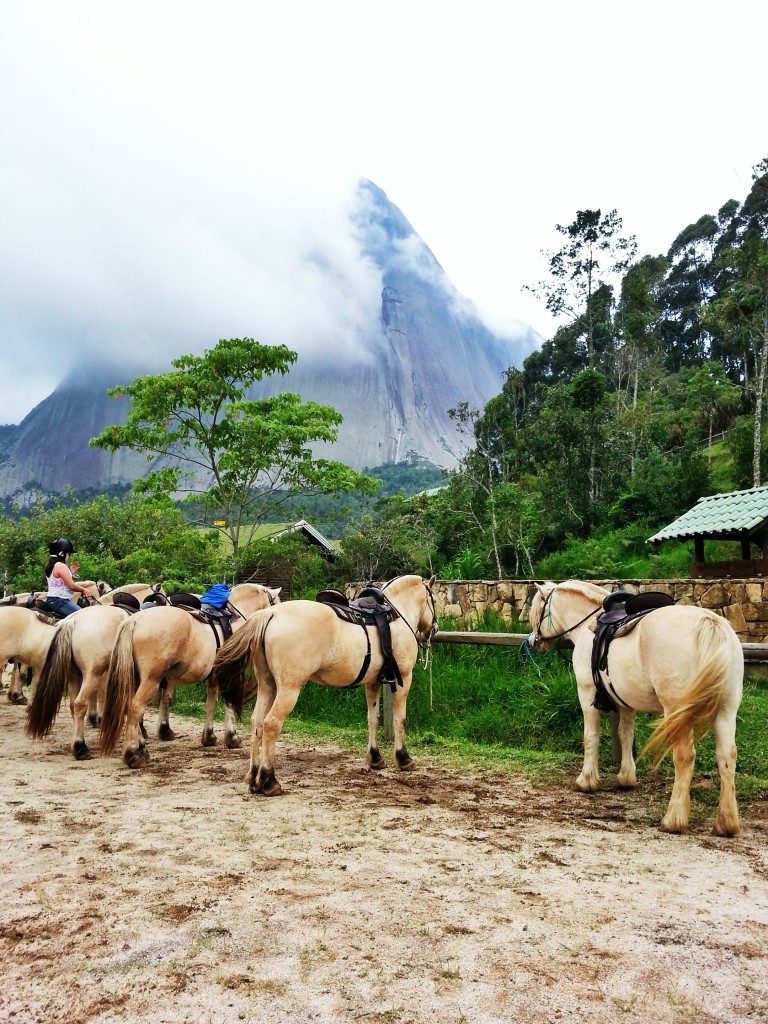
(575,602)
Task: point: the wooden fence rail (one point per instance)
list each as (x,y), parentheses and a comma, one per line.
(752,652)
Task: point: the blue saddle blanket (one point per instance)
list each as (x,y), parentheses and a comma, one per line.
(217,596)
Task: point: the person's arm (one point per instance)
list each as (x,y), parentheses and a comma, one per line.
(61,569)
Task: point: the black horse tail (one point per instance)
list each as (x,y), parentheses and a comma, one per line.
(236,657)
(52,682)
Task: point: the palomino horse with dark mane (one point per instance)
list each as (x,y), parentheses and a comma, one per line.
(304,640)
(163,647)
(683,661)
(78,658)
(26,634)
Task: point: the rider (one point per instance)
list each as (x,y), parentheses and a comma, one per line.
(61,584)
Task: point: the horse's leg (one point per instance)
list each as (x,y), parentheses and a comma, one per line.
(403,759)
(727,820)
(164,730)
(211,697)
(94,718)
(589,779)
(85,699)
(265,698)
(15,691)
(282,706)
(373,758)
(135,753)
(684,756)
(627,773)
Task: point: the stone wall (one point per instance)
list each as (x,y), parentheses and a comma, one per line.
(744,602)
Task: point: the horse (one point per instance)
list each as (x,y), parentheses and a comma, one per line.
(304,640)
(683,661)
(25,635)
(166,646)
(78,657)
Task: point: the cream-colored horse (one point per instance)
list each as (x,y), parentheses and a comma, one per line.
(681,660)
(25,637)
(304,640)
(165,647)
(78,658)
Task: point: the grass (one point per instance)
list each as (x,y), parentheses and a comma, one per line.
(489,709)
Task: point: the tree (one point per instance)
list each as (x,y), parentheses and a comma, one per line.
(235,459)
(594,251)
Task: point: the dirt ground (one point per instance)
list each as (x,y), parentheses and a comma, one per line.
(172,895)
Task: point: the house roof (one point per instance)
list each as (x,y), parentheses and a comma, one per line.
(309,531)
(720,517)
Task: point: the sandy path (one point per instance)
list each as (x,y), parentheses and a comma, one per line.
(171,895)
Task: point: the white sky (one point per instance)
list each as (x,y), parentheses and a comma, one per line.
(167,167)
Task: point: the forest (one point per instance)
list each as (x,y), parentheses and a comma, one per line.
(649,396)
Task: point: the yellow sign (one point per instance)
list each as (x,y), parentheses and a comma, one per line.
(219,522)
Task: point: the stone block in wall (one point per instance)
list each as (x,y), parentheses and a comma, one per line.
(734,614)
(452,611)
(714,597)
(737,592)
(755,612)
(754,593)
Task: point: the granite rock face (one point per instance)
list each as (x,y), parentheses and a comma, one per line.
(424,353)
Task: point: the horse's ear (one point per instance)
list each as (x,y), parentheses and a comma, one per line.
(274,591)
(103,588)
(431,581)
(540,589)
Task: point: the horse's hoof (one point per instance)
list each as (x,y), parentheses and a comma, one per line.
(233,741)
(673,826)
(94,721)
(586,784)
(17,698)
(404,760)
(375,761)
(272,789)
(209,738)
(81,751)
(728,830)
(252,778)
(136,758)
(165,732)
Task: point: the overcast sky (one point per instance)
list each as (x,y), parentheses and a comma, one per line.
(176,172)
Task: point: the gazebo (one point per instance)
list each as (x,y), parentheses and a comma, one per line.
(740,516)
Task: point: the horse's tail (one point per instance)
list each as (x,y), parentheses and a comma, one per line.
(700,703)
(120,686)
(52,682)
(236,657)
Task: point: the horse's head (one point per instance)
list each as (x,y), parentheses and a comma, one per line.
(543,632)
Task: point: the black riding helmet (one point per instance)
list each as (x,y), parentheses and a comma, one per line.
(61,547)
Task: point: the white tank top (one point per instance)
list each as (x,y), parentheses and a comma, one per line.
(58,588)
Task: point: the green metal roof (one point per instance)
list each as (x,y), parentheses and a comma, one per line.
(720,515)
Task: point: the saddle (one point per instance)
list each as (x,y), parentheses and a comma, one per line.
(221,617)
(126,602)
(371,608)
(622,610)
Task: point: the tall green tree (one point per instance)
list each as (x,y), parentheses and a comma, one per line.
(233,457)
(594,252)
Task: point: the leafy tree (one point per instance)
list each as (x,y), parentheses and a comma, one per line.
(235,458)
(593,252)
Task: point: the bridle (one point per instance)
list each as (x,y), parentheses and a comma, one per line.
(537,636)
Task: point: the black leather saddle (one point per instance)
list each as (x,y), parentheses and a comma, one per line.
(621,610)
(370,608)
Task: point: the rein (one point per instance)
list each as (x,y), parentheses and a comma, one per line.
(425,646)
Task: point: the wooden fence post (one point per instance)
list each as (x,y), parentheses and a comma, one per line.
(386,710)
